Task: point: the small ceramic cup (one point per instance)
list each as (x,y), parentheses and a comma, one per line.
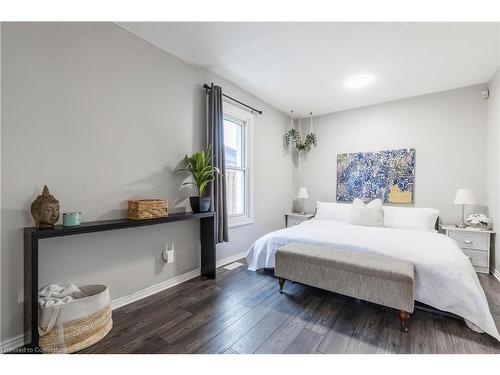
(71,219)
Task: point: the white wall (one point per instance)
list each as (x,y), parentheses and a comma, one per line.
(493,161)
(1,280)
(447,129)
(101,116)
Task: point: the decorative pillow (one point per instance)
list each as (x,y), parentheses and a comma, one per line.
(371,214)
(410,218)
(333,211)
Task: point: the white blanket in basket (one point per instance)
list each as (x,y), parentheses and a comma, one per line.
(53,294)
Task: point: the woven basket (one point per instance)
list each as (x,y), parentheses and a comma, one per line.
(78,324)
(147,209)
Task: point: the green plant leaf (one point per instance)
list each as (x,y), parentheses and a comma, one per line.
(199,165)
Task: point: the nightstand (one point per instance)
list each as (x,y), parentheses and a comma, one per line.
(293,218)
(474,243)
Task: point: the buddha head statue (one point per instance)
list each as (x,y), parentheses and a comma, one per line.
(45,209)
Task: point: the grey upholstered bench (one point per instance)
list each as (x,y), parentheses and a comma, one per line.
(378,279)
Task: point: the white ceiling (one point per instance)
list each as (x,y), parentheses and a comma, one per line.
(302,66)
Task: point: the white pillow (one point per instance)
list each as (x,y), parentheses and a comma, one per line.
(371,214)
(410,218)
(333,211)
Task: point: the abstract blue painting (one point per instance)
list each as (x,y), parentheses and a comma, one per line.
(388,175)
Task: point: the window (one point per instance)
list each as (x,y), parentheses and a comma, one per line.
(237,176)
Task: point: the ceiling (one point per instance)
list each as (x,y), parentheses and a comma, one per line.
(303,66)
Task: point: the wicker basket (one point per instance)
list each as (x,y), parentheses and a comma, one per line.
(78,324)
(147,209)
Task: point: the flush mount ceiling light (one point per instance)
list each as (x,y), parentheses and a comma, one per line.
(359,80)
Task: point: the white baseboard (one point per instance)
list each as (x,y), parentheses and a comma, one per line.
(11,344)
(153,289)
(18,341)
(230,259)
(495,273)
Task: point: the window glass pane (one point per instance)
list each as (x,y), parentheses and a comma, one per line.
(235,192)
(233,141)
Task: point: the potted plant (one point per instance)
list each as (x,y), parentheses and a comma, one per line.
(203,172)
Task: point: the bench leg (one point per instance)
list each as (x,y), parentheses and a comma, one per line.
(281,280)
(404,317)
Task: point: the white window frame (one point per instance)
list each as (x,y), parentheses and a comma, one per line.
(245,117)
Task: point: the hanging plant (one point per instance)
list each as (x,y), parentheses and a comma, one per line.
(293,138)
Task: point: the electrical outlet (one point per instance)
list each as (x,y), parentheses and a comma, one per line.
(168,254)
(164,251)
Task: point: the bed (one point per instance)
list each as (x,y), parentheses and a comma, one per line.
(445,278)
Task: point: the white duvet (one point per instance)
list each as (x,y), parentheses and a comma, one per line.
(444,276)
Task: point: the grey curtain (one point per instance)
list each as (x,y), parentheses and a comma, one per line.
(216,142)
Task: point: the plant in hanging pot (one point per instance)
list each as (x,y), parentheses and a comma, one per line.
(293,137)
(200,166)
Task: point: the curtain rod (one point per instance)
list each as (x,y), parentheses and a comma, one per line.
(207,87)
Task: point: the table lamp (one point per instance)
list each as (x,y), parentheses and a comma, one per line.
(302,194)
(463,197)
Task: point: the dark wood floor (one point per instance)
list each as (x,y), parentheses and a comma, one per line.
(243,312)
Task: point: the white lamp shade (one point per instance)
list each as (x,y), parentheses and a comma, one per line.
(303,193)
(464,196)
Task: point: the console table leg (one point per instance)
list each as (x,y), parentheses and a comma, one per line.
(31,290)
(207,239)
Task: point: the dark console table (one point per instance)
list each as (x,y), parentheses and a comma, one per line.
(33,235)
